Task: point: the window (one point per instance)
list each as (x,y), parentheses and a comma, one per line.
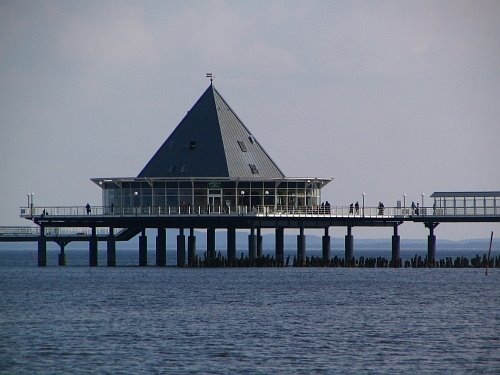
(254,169)
(192,145)
(243,146)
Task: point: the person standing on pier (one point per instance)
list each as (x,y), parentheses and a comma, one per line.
(87,208)
(380,208)
(356,207)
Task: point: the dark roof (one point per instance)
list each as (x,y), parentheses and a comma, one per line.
(465,194)
(211,141)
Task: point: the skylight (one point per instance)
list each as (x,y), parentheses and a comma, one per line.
(243,146)
(254,169)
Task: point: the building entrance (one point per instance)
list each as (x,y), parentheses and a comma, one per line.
(214,199)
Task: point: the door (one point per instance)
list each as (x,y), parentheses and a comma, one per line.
(214,200)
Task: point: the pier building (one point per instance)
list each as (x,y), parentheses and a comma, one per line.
(211,162)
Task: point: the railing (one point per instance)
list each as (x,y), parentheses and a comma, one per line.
(19,231)
(28,212)
(320,211)
(52,231)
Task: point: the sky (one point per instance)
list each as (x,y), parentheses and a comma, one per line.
(386,97)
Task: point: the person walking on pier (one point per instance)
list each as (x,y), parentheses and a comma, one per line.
(413,208)
(87,208)
(356,207)
(351,208)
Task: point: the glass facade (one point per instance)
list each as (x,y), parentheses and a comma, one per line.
(466,204)
(163,194)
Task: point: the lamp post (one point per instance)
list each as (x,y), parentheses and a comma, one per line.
(30,202)
(404,203)
(363,204)
(136,196)
(423,195)
(242,194)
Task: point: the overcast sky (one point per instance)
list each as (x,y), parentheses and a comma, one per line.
(387,97)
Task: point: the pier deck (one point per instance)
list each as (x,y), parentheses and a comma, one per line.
(105,224)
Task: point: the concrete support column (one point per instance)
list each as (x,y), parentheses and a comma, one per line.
(252,244)
(211,243)
(61,258)
(431,245)
(161,248)
(259,243)
(191,248)
(111,248)
(301,247)
(349,247)
(231,244)
(93,257)
(325,246)
(143,249)
(396,248)
(181,249)
(42,248)
(280,246)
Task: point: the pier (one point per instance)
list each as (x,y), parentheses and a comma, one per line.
(63,225)
(212,174)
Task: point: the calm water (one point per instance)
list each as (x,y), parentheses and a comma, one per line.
(131,320)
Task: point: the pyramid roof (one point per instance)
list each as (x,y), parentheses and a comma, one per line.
(211,141)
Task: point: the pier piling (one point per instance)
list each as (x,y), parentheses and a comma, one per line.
(93,257)
(396,248)
(252,244)
(61,257)
(181,248)
(161,248)
(301,247)
(111,248)
(349,247)
(191,248)
(42,248)
(143,249)
(280,245)
(431,244)
(211,243)
(231,244)
(259,243)
(325,246)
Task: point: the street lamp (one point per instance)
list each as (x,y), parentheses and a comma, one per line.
(363,204)
(30,202)
(404,201)
(423,195)
(136,196)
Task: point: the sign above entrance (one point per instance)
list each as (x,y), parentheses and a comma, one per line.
(215,185)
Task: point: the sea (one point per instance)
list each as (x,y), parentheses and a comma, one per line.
(148,320)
